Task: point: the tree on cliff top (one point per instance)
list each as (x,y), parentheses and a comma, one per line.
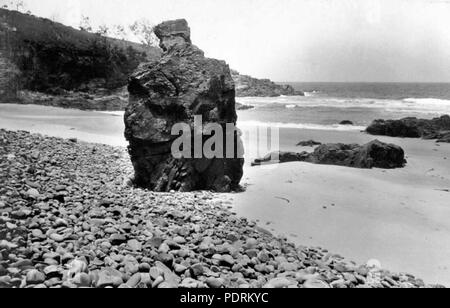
(17,5)
(143,29)
(85,24)
(102,30)
(119,32)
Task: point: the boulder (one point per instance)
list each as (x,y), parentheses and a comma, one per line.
(175,89)
(346,122)
(411,127)
(374,154)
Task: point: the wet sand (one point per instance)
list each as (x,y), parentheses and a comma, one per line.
(89,126)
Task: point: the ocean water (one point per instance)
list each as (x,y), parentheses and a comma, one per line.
(327,104)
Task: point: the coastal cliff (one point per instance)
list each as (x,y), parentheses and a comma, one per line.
(47,63)
(51,64)
(247,86)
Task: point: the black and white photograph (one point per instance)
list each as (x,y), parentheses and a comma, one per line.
(224,144)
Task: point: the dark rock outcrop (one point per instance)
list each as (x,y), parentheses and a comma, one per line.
(346,122)
(281,157)
(445,137)
(374,154)
(308,143)
(247,86)
(184,83)
(411,127)
(48,58)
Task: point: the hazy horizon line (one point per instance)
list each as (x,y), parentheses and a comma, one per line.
(381,82)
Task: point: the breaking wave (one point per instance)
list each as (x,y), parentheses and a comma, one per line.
(408,105)
(245,124)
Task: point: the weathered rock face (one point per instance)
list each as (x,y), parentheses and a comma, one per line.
(173,34)
(181,85)
(374,154)
(411,127)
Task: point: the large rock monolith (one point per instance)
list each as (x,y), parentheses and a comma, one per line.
(182,85)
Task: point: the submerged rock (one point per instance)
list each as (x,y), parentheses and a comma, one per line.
(183,84)
(411,127)
(308,143)
(374,154)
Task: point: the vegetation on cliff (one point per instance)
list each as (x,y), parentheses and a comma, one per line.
(52,58)
(47,63)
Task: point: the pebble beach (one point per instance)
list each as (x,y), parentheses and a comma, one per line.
(70,218)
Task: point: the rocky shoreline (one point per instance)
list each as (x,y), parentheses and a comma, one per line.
(70,219)
(247,86)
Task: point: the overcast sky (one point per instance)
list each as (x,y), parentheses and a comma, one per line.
(296,40)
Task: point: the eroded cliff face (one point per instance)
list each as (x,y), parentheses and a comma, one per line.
(181,85)
(62,63)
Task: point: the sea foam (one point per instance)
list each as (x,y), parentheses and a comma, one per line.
(249,124)
(407,105)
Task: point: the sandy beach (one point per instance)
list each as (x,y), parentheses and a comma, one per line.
(88,126)
(399,217)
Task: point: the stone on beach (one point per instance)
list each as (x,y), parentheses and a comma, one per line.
(35,277)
